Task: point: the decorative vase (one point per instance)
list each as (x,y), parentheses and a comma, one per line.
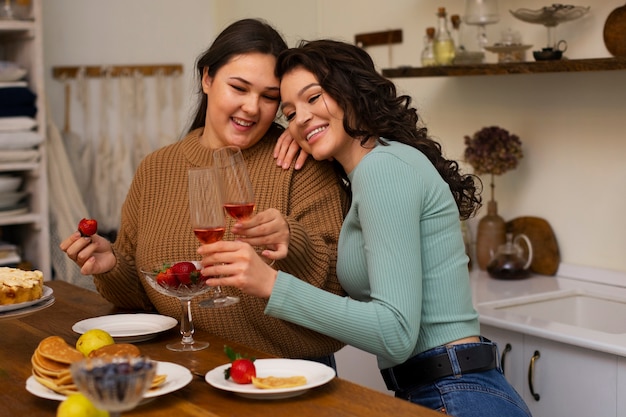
(490,234)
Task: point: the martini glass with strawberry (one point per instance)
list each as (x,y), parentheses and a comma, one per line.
(207,220)
(184,281)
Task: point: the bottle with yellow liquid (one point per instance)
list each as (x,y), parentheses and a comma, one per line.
(443,43)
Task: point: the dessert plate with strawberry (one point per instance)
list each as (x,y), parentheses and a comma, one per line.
(314,373)
(128,328)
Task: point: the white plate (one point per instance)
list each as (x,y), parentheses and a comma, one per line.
(504,49)
(12,74)
(10,199)
(47,293)
(23,312)
(128,328)
(177,377)
(316,374)
(14,210)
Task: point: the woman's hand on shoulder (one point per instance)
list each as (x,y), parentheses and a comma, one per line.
(286,150)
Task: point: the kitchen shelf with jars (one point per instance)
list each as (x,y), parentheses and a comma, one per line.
(563,65)
(547,60)
(24,207)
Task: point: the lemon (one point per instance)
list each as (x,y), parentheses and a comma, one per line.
(93,339)
(77,405)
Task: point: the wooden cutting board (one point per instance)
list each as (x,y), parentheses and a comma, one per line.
(546,255)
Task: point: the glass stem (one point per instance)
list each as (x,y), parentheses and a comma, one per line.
(551,40)
(186,323)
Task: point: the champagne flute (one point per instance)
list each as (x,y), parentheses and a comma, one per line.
(235,184)
(236,188)
(207,220)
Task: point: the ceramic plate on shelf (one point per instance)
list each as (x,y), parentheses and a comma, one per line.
(316,374)
(507,49)
(27,311)
(11,198)
(128,328)
(47,293)
(14,210)
(177,377)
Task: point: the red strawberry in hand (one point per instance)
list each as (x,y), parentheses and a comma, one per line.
(88,227)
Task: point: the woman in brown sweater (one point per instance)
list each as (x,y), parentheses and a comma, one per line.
(300,209)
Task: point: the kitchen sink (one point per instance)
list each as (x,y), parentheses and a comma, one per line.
(579,308)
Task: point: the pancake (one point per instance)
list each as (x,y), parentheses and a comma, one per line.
(275,382)
(116,350)
(57,349)
(52,359)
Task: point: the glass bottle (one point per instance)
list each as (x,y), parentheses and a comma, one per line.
(443,44)
(428,53)
(491,233)
(455,19)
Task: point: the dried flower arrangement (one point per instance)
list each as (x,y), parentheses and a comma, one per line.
(493,150)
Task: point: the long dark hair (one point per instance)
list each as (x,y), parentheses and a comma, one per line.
(241,37)
(373,108)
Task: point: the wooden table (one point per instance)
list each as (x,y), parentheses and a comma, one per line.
(20,337)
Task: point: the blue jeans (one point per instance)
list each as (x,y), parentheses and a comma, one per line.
(479,394)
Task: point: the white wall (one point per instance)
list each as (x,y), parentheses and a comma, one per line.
(571,124)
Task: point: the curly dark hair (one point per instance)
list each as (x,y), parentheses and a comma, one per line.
(373,108)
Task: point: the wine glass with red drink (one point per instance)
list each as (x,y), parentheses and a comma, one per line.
(207,220)
(237,194)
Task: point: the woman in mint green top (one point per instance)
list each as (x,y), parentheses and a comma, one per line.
(401,257)
(405,269)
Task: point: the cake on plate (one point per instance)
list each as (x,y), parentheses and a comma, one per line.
(18,286)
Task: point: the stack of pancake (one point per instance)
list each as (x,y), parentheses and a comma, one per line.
(52,359)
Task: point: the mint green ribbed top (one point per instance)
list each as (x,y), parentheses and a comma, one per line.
(401,259)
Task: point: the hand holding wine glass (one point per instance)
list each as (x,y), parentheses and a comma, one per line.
(207,219)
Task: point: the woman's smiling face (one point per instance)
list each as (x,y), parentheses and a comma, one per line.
(315,119)
(242,100)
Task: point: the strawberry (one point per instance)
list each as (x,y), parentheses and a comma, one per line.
(186,273)
(166,278)
(87,227)
(242,370)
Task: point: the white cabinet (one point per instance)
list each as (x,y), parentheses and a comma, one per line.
(564,380)
(20,42)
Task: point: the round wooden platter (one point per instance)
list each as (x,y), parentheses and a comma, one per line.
(615,32)
(546,255)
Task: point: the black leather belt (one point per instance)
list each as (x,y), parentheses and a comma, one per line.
(415,372)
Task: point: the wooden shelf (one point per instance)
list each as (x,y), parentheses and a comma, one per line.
(564,65)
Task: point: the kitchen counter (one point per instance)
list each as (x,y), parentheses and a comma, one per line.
(489,296)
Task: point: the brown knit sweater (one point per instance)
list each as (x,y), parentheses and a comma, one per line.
(155,228)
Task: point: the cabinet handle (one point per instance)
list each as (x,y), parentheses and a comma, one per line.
(506,350)
(531,371)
